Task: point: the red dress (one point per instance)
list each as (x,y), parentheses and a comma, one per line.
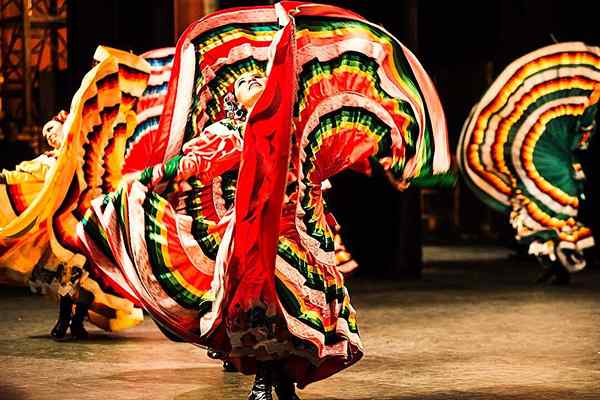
(225,240)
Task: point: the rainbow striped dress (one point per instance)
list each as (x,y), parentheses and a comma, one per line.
(224,239)
(519,148)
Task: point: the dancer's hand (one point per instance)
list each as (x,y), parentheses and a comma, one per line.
(398,184)
(187,168)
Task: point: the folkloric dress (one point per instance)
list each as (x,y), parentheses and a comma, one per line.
(224,238)
(519,148)
(43,199)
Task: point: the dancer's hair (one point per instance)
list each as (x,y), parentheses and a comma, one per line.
(233,109)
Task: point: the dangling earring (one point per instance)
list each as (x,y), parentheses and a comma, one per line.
(232,108)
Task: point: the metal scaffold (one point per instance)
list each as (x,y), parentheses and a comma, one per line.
(33,44)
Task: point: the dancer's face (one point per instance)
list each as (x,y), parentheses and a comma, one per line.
(53,133)
(248,88)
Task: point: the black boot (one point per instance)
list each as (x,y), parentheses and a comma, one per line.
(286,391)
(284,386)
(545,277)
(65,307)
(215,354)
(77,330)
(82,305)
(562,276)
(228,366)
(554,275)
(262,383)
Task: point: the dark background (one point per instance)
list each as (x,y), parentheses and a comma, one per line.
(462,44)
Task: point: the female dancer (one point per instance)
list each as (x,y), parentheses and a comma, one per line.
(519,151)
(224,239)
(45,197)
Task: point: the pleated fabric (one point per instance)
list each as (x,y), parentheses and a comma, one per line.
(519,148)
(224,239)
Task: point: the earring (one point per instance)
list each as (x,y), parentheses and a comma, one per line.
(233,109)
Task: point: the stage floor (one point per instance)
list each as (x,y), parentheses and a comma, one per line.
(474,328)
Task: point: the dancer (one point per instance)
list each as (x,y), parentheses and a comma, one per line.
(88,159)
(223,238)
(519,151)
(31,256)
(18,188)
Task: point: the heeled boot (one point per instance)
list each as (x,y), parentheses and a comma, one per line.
(554,274)
(263,384)
(228,366)
(82,305)
(65,307)
(284,386)
(562,276)
(77,330)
